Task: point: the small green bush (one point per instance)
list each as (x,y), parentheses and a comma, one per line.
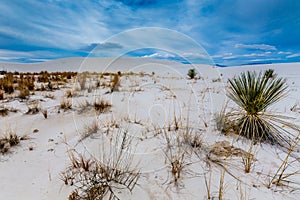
(192,73)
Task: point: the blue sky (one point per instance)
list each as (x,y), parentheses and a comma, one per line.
(231,32)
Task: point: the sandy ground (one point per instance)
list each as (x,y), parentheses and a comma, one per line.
(147,102)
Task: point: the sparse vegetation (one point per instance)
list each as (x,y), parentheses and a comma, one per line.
(248,158)
(185,147)
(192,73)
(65,104)
(101,105)
(88,130)
(24,92)
(45,113)
(254,94)
(9,140)
(49,95)
(1,94)
(33,108)
(69,93)
(175,156)
(95,179)
(115,83)
(281,177)
(3,111)
(81,78)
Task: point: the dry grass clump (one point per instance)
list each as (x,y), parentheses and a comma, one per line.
(101,105)
(175,156)
(65,104)
(95,179)
(24,92)
(115,83)
(3,111)
(88,130)
(281,176)
(69,94)
(49,95)
(84,105)
(1,94)
(6,142)
(7,83)
(295,107)
(33,108)
(82,78)
(45,113)
(43,77)
(26,82)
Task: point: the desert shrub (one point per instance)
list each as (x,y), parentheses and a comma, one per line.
(45,113)
(69,94)
(101,105)
(115,83)
(101,179)
(65,104)
(1,94)
(49,95)
(7,83)
(43,77)
(254,94)
(81,78)
(50,86)
(3,111)
(9,88)
(9,140)
(192,73)
(84,105)
(98,83)
(23,92)
(3,72)
(26,82)
(88,130)
(33,108)
(175,155)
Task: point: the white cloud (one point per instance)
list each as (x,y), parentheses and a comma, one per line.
(294,55)
(52,25)
(284,53)
(160,55)
(166,42)
(222,55)
(195,55)
(34,56)
(256,46)
(251,55)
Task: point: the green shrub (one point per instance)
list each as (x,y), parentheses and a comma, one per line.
(254,94)
(192,73)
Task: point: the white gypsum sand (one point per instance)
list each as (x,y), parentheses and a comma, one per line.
(154,103)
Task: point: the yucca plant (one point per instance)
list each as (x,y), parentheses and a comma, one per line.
(254,94)
(192,73)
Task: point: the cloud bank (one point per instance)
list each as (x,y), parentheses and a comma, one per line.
(232,33)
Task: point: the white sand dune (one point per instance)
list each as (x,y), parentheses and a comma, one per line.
(145,103)
(83,64)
